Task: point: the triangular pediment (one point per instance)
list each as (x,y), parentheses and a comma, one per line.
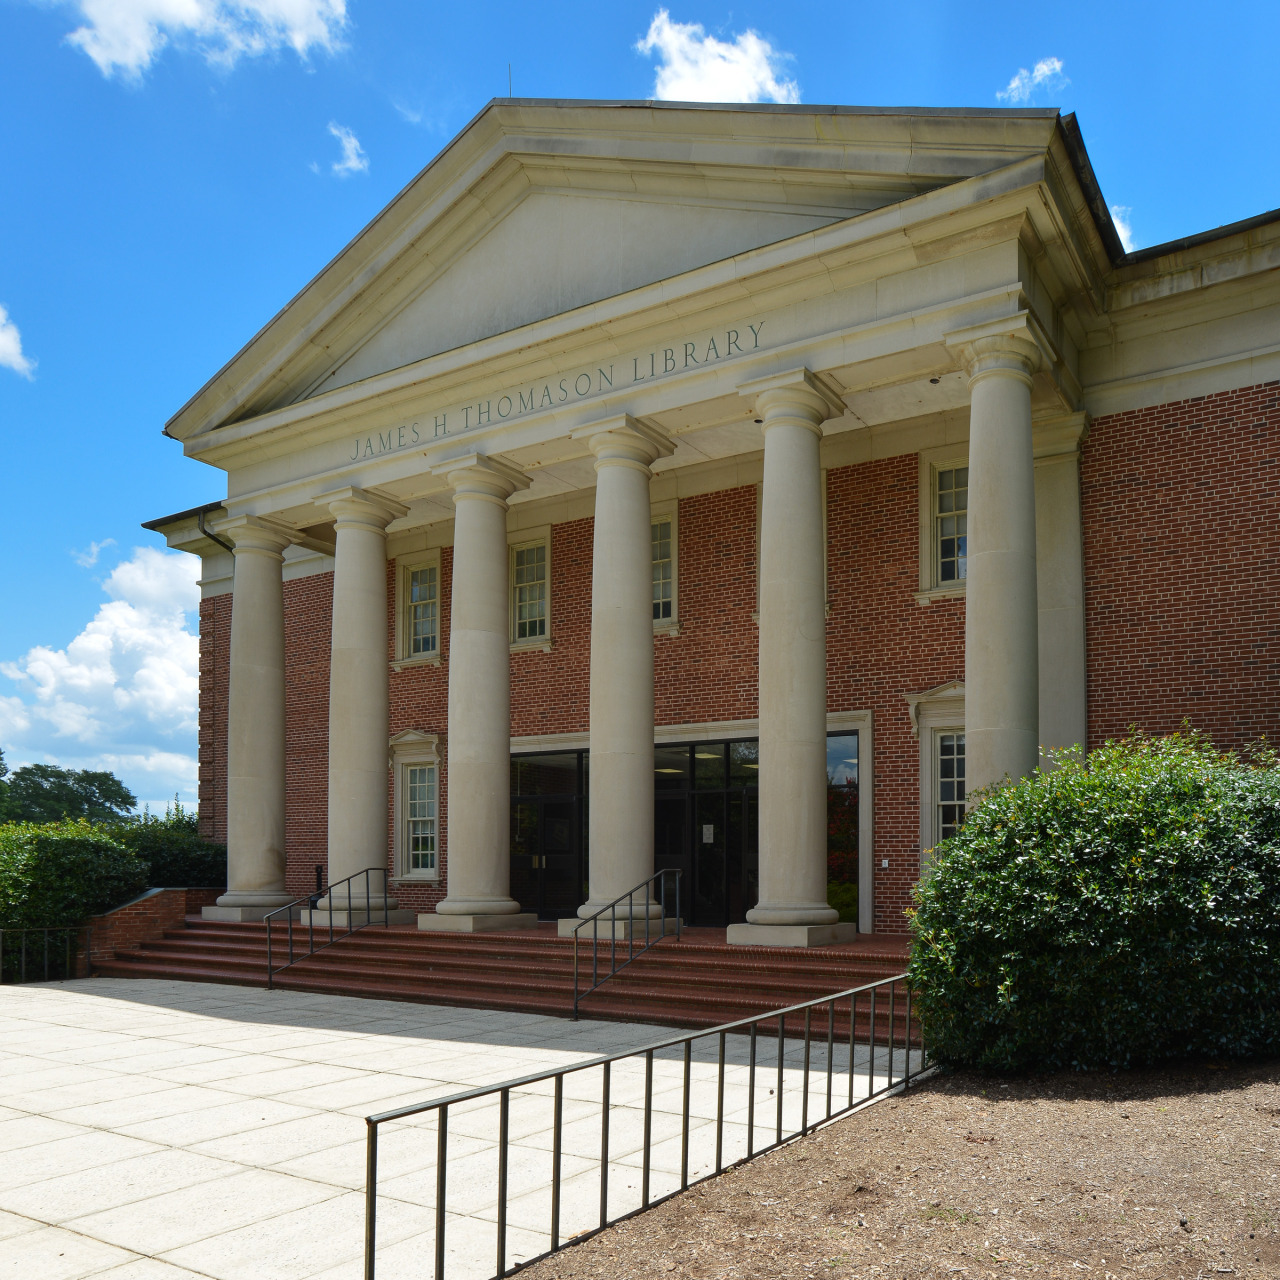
(552,253)
(540,208)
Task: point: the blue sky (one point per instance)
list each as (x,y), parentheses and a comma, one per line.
(172,173)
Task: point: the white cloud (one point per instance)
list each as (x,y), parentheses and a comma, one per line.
(696,67)
(1122,216)
(11,356)
(1046,74)
(87,558)
(353,159)
(126,36)
(123,694)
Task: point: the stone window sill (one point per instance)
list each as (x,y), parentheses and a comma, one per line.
(531,646)
(416,879)
(667,627)
(423,660)
(953,591)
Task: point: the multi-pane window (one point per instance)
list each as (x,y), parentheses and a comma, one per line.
(422,604)
(663,582)
(951,523)
(949,784)
(420,818)
(529,588)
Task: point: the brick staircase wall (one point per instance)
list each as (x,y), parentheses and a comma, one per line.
(144,919)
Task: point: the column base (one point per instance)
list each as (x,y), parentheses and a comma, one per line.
(241,915)
(345,919)
(432,922)
(622,929)
(789,935)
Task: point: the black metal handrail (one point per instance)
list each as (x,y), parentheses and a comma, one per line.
(612,909)
(70,948)
(311,901)
(834,1107)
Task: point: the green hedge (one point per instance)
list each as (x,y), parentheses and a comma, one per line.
(1112,913)
(60,873)
(176,855)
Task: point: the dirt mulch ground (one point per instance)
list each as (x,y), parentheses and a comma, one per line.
(1149,1174)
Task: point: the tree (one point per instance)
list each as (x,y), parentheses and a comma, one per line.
(46,793)
(4,788)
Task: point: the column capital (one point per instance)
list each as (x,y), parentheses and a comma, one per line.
(1012,346)
(624,441)
(352,506)
(795,394)
(476,475)
(256,533)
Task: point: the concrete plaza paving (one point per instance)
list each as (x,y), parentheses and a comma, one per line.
(162,1130)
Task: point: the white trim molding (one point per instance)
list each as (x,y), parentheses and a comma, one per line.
(935,711)
(931,461)
(405,565)
(412,748)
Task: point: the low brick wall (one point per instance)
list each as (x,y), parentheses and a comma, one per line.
(143,919)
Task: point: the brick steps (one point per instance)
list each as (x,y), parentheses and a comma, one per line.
(696,982)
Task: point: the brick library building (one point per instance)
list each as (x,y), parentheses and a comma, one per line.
(722,490)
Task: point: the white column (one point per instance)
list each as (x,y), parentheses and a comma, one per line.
(255,726)
(1001,641)
(1064,711)
(793,909)
(621,771)
(478,848)
(358,699)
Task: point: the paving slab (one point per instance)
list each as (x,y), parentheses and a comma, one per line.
(155,1130)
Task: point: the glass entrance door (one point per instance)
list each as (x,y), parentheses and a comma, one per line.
(548,867)
(705,824)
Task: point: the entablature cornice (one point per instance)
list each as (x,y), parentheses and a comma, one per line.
(860,253)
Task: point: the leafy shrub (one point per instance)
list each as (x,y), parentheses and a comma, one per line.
(60,873)
(174,852)
(1111,913)
(844,897)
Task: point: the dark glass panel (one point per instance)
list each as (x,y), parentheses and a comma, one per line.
(550,774)
(671,768)
(709,766)
(744,765)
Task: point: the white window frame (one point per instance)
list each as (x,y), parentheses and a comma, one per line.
(413,749)
(932,461)
(405,565)
(660,512)
(934,712)
(518,540)
(861,723)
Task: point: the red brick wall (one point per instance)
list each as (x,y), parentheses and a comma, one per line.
(420,700)
(215,658)
(882,645)
(1181,507)
(308,624)
(144,919)
(708,671)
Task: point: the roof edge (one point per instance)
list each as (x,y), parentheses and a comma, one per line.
(1088,180)
(192,513)
(1200,237)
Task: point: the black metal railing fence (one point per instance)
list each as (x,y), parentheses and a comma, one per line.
(283,917)
(46,954)
(879,1021)
(632,950)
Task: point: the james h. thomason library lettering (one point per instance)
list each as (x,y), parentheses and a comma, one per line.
(550,393)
